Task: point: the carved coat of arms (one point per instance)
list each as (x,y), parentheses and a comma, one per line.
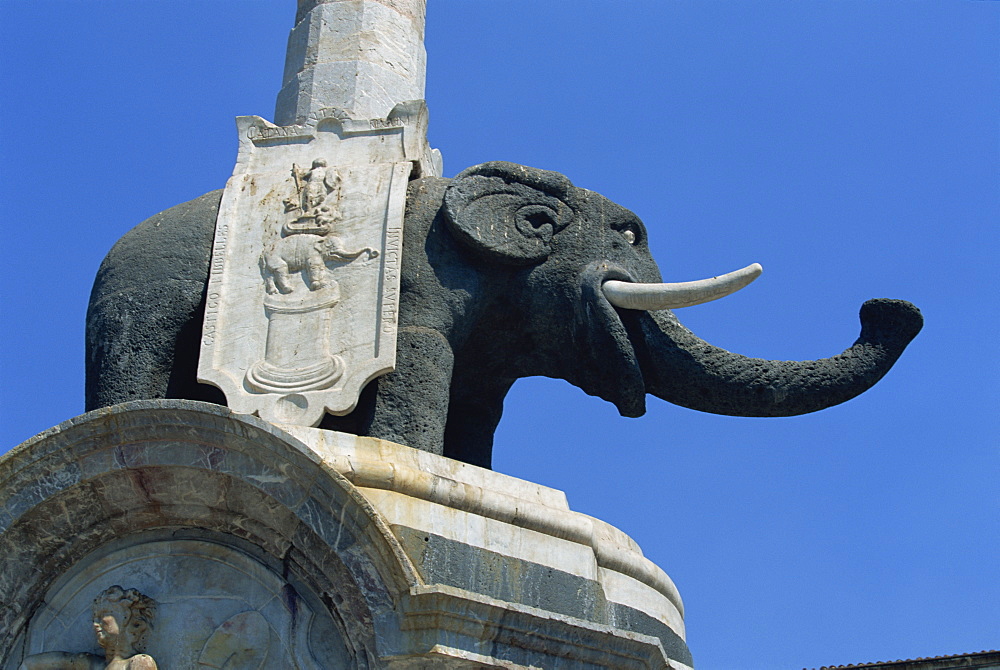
(304,286)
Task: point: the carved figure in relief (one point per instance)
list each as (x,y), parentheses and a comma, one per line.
(312,186)
(122,622)
(309,253)
(306,243)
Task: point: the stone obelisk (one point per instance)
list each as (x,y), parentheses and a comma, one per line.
(362,56)
(302,300)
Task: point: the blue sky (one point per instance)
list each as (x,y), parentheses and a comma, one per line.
(850,147)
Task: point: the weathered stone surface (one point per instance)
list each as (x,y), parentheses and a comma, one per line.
(413,489)
(281,545)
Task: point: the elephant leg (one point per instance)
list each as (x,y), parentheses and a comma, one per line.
(474,411)
(317,272)
(269,284)
(411,404)
(278,271)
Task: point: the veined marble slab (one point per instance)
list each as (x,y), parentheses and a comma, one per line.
(302,300)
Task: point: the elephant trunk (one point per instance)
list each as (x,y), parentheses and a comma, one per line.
(685,370)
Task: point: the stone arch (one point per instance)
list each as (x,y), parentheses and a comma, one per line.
(149,472)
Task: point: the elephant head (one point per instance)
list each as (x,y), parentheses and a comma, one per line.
(520,274)
(507,272)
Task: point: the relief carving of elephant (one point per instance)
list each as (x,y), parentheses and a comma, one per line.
(306,252)
(507,272)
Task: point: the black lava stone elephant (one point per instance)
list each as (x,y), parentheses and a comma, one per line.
(507,272)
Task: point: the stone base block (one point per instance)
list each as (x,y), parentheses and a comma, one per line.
(270,546)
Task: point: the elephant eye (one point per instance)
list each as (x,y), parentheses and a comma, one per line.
(629,235)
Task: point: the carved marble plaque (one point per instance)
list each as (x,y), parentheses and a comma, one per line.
(304,286)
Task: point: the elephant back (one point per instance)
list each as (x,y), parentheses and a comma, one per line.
(175,244)
(297,250)
(145,311)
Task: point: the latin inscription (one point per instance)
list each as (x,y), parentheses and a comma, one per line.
(390,300)
(328,113)
(386,123)
(260,133)
(214,283)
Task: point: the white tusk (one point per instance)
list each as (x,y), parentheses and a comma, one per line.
(629,295)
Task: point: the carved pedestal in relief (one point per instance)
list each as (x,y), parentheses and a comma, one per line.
(267,547)
(304,286)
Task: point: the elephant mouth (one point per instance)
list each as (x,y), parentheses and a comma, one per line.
(593,281)
(615,374)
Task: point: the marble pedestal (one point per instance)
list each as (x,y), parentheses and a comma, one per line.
(290,547)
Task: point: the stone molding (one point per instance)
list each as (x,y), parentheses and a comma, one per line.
(577,645)
(378,464)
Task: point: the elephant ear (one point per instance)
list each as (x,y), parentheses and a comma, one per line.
(508,213)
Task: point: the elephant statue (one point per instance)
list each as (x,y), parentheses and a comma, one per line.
(305,251)
(507,272)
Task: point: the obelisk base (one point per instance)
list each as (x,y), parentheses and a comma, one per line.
(312,549)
